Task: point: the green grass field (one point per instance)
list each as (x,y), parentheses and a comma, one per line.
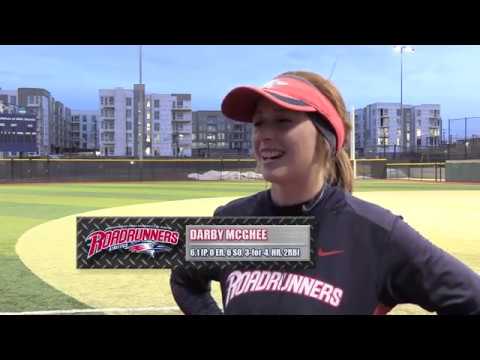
(24,206)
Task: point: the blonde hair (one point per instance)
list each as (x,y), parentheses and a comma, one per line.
(337,168)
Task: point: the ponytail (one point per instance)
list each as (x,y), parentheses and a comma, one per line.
(343,174)
(338,168)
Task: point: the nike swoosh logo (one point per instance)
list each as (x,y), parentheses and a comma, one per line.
(322,252)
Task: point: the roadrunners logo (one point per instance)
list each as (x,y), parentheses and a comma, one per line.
(147,240)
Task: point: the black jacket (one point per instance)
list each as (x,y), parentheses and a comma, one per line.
(368,261)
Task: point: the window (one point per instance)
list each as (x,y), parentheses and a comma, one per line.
(156,126)
(94,118)
(129,137)
(84,127)
(179,116)
(13,100)
(383,132)
(107,113)
(129,125)
(419,122)
(382,141)
(101,100)
(194,137)
(31,100)
(221,136)
(128,101)
(156,103)
(419,141)
(419,132)
(156,114)
(179,104)
(128,113)
(148,115)
(111,100)
(419,112)
(84,118)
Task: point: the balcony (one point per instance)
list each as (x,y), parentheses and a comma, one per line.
(177,120)
(185,141)
(185,107)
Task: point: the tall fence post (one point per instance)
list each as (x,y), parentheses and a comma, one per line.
(221,167)
(11,170)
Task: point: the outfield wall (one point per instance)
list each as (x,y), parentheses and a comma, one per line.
(77,170)
(462,170)
(112,170)
(416,171)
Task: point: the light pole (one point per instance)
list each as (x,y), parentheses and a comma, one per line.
(402,49)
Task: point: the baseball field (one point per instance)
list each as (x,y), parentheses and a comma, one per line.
(37,237)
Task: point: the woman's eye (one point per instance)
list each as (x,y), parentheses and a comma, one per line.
(257,123)
(284,121)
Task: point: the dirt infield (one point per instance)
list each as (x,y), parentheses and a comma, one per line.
(49,249)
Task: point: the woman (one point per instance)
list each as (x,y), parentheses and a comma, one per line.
(368,260)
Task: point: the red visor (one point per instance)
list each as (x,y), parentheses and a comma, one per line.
(288,92)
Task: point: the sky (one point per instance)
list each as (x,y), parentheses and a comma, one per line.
(445,75)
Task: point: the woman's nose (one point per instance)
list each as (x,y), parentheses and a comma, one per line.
(266,131)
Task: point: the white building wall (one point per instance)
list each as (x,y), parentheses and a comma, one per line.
(371,119)
(162,139)
(92,124)
(159,131)
(120,136)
